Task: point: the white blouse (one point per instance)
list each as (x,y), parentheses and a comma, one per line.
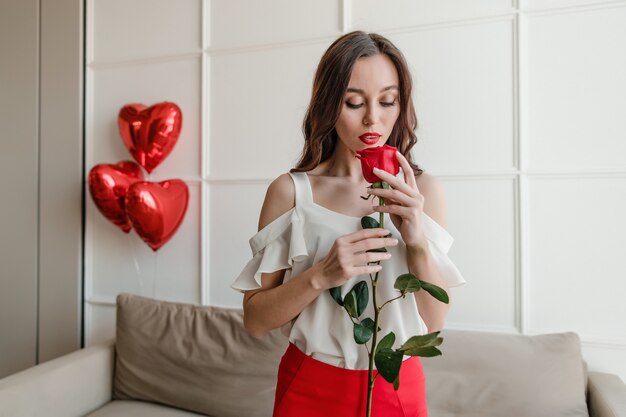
(302,237)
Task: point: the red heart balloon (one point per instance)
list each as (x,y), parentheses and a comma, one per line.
(156,210)
(150,133)
(108,185)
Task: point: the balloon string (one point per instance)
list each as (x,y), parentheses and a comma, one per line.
(135,262)
(156,257)
(154,275)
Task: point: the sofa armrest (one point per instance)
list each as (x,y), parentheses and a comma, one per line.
(69,386)
(606,395)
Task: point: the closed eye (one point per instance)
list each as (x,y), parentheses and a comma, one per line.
(354,106)
(382,103)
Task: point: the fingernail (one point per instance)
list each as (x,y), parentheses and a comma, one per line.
(387,255)
(376,169)
(394,241)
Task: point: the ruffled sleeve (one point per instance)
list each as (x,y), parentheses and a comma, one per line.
(277,246)
(440,242)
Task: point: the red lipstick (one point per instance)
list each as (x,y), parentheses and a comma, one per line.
(370,138)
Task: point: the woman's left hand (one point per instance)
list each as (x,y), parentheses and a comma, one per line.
(404,203)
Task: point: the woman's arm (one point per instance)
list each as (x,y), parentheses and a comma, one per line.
(275,303)
(263,309)
(421,262)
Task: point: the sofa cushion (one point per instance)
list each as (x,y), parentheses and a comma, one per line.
(196,358)
(494,375)
(139,409)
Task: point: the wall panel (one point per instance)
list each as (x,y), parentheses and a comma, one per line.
(244,23)
(605,357)
(373,15)
(482,220)
(577,243)
(235,209)
(577,90)
(170,80)
(100,319)
(124,263)
(557,5)
(465,97)
(128,30)
(258,102)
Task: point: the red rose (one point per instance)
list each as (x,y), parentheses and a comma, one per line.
(381,157)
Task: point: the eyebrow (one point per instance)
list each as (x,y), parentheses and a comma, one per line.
(360,91)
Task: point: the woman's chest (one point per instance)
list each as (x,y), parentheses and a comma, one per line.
(322,227)
(341,196)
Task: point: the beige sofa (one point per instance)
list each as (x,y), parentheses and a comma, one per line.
(174,359)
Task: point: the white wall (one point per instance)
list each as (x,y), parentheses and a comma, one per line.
(19,76)
(521,110)
(41,163)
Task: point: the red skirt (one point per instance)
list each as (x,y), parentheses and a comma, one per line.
(309,388)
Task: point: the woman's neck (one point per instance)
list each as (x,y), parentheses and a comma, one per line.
(343,163)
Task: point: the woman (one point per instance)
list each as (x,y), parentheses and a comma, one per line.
(310,239)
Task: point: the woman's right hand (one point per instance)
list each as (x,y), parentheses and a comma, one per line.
(348,257)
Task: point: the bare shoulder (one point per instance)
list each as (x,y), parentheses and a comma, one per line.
(434,198)
(279,199)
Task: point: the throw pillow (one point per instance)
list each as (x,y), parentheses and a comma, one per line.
(494,375)
(192,357)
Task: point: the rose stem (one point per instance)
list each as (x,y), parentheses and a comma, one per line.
(370,370)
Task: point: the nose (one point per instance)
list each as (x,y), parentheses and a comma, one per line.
(370,116)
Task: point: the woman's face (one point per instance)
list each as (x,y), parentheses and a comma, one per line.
(371,104)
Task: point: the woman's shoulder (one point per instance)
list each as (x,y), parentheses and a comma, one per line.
(427,182)
(434,197)
(279,199)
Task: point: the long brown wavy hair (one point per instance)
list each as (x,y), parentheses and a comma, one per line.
(329,86)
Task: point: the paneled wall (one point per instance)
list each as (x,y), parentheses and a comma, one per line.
(143,51)
(521,108)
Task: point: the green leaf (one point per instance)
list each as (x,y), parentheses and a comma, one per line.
(386,342)
(336,294)
(407,283)
(437,292)
(419,342)
(396,383)
(356,299)
(388,362)
(369,223)
(362,296)
(426,352)
(349,303)
(363,331)
(386,186)
(377,250)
